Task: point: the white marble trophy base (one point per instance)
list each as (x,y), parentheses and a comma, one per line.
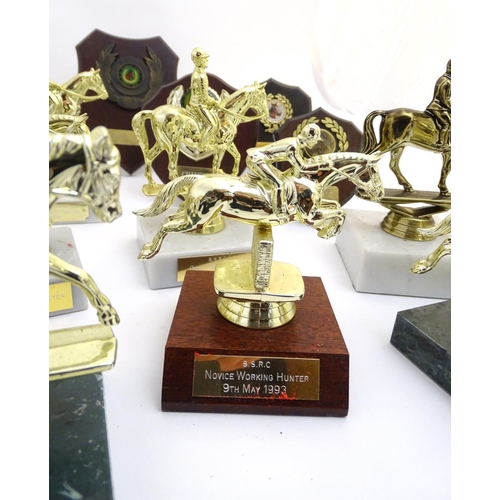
(378,262)
(63,296)
(184,251)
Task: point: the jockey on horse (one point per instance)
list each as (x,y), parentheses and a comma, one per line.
(200,101)
(440,106)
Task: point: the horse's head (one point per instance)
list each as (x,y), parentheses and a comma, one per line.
(259,100)
(95,84)
(249,97)
(100,188)
(80,84)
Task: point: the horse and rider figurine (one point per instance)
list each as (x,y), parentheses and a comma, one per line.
(207,125)
(429,130)
(65,101)
(266,195)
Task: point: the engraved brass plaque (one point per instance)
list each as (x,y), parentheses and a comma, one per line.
(60,297)
(201,263)
(69,212)
(256,377)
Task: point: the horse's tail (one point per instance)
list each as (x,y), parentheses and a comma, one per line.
(139,128)
(369,137)
(440,229)
(167,195)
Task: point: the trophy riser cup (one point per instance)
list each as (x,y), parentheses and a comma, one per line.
(410,212)
(259,315)
(423,335)
(212,365)
(378,262)
(183,251)
(63,296)
(407,227)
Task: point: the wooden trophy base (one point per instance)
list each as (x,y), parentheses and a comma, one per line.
(214,366)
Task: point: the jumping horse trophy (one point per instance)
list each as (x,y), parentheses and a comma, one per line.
(200,124)
(94,179)
(252,350)
(409,228)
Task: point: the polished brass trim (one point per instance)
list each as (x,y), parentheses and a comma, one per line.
(81,351)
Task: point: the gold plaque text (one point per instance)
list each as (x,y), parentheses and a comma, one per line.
(256,377)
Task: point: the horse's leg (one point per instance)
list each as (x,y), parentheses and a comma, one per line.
(328,219)
(394,166)
(424,265)
(217,160)
(189,217)
(176,223)
(61,269)
(150,157)
(173,159)
(445,170)
(333,222)
(233,151)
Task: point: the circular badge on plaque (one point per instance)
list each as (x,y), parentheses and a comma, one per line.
(280,109)
(129,80)
(332,138)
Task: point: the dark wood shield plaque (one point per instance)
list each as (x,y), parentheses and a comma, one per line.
(246,136)
(284,102)
(133,71)
(337,135)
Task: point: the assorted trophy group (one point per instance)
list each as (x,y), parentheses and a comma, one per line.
(286,179)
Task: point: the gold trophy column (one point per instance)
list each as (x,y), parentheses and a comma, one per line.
(256,292)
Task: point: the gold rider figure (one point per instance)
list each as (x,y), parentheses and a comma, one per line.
(200,100)
(440,106)
(260,161)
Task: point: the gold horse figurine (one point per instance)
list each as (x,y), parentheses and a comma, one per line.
(65,101)
(206,125)
(255,292)
(96,182)
(429,130)
(253,198)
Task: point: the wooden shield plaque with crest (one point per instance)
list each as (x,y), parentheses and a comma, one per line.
(133,71)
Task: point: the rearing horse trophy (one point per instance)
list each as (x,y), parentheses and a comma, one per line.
(430,130)
(94,178)
(206,124)
(222,346)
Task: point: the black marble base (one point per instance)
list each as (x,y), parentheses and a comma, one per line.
(78,449)
(423,335)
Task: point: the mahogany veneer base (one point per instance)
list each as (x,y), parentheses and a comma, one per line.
(198,328)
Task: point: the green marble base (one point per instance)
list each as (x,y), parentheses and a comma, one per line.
(78,450)
(423,335)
